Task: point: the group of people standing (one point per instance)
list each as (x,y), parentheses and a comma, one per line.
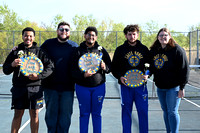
(62,75)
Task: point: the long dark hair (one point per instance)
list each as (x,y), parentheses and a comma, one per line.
(170,44)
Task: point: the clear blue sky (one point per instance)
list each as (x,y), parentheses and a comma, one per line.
(179,15)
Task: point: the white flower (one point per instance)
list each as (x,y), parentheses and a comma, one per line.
(146,65)
(100,48)
(20,52)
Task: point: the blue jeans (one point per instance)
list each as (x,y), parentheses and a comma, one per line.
(139,95)
(90,102)
(170,103)
(59,108)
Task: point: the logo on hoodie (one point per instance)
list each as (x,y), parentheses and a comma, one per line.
(134,58)
(159,60)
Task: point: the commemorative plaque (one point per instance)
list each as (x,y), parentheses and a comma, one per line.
(31,65)
(134,78)
(89,61)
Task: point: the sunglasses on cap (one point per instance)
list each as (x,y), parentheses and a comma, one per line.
(62,29)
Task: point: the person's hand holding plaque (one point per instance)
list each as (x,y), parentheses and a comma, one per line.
(123,81)
(33,76)
(89,73)
(145,77)
(17,62)
(103,65)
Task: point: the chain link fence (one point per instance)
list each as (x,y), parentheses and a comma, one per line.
(193,51)
(108,39)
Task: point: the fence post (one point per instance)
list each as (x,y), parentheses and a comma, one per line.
(190,43)
(197,47)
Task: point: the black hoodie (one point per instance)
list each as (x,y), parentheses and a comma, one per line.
(95,79)
(170,67)
(123,55)
(19,80)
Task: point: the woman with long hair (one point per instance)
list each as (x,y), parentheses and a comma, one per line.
(170,68)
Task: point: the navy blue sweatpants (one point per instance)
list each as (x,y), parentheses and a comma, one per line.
(90,102)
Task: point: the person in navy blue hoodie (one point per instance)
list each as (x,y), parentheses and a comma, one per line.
(170,68)
(90,86)
(26,91)
(132,55)
(59,87)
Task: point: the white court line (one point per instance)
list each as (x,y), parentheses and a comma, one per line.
(192,102)
(194,87)
(27,122)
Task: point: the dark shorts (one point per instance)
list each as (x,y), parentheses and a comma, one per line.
(24,99)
